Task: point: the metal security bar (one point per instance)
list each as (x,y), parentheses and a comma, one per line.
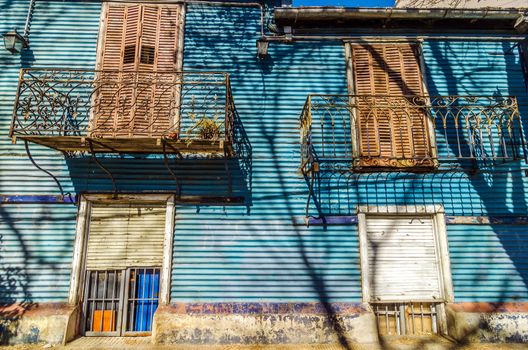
(102,303)
(142,299)
(60,108)
(407,318)
(395,132)
(120,302)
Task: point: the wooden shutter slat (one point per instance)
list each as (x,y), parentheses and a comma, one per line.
(167,89)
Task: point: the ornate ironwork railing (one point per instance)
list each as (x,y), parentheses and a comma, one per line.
(409,132)
(109,104)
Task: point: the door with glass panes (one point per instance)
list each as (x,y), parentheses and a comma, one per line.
(122,276)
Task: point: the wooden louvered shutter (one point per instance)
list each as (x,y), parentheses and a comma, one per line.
(167,88)
(141,43)
(106,98)
(144,116)
(391,132)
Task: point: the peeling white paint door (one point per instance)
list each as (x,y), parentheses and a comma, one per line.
(402,258)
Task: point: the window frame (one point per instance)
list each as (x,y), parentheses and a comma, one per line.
(349,66)
(77,281)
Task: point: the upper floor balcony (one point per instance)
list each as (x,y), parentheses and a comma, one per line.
(409,133)
(114,111)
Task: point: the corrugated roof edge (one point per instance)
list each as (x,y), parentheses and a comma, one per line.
(335,12)
(504,18)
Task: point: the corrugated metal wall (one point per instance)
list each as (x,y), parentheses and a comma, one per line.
(226,253)
(36,240)
(489,262)
(36,243)
(269,96)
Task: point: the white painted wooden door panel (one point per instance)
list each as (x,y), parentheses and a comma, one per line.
(403,258)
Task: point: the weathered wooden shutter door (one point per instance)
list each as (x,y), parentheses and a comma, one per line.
(146,64)
(128,102)
(106,99)
(140,41)
(121,237)
(167,88)
(387,129)
(158,51)
(403,259)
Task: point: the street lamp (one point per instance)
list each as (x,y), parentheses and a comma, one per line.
(14,42)
(262,48)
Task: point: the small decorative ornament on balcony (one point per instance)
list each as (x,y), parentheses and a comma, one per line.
(14,42)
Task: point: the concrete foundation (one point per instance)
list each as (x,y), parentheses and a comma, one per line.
(293,323)
(267,323)
(43,323)
(488,323)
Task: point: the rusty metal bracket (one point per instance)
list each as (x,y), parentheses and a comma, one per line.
(228,173)
(310,180)
(105,170)
(61,189)
(166,162)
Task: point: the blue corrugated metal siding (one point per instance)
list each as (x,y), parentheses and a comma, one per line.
(36,244)
(269,96)
(225,254)
(63,34)
(36,241)
(13,15)
(489,263)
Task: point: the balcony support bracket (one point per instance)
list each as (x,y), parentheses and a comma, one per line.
(61,189)
(105,170)
(228,173)
(166,162)
(309,177)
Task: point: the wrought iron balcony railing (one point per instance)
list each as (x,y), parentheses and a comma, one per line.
(375,132)
(125,111)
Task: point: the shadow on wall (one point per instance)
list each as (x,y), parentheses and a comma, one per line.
(15,298)
(13,284)
(210,179)
(496,191)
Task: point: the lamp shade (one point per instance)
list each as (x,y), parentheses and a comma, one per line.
(262,48)
(14,42)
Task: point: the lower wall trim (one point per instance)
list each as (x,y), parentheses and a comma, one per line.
(484,307)
(488,322)
(242,308)
(263,323)
(52,323)
(267,323)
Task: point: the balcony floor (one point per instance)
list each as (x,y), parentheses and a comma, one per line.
(131,145)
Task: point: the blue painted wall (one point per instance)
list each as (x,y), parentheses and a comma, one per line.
(228,253)
(36,240)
